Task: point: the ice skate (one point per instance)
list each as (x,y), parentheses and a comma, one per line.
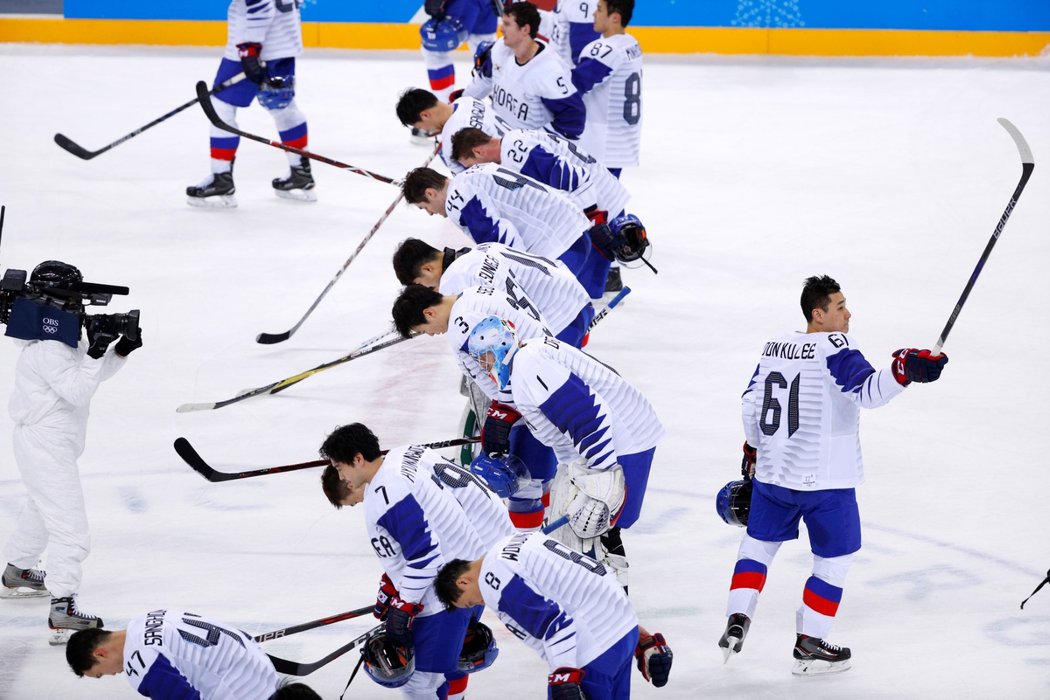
(815,656)
(22,583)
(654,659)
(66,617)
(613,283)
(215,192)
(420,137)
(732,640)
(299,185)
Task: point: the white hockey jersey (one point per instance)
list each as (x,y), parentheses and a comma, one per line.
(495,204)
(509,302)
(566,606)
(557,294)
(422,511)
(579,406)
(467,113)
(537,95)
(609,76)
(276,24)
(183,656)
(560,163)
(801,410)
(573,28)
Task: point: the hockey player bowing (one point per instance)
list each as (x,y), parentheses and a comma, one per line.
(567,607)
(600,426)
(421,510)
(801,412)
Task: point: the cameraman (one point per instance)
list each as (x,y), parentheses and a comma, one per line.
(56,375)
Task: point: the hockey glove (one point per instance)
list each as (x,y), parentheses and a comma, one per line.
(596,215)
(387,592)
(99,337)
(597,505)
(654,659)
(747,464)
(564,683)
(495,434)
(912,365)
(483,59)
(455,95)
(434,8)
(399,621)
(602,239)
(253,67)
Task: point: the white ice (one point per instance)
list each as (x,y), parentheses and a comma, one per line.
(889,176)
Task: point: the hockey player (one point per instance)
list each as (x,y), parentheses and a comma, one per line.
(424,112)
(491,203)
(529,86)
(801,413)
(574,20)
(599,425)
(176,655)
(263,39)
(565,606)
(421,510)
(56,376)
(451,23)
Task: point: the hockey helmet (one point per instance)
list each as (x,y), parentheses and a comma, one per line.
(388,664)
(496,337)
(440,35)
(277,92)
(479,648)
(734,502)
(504,474)
(629,234)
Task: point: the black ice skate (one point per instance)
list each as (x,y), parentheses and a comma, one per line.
(298,185)
(22,583)
(66,618)
(420,137)
(814,656)
(216,192)
(732,640)
(654,659)
(613,283)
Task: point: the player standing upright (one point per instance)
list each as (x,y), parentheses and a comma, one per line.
(801,413)
(451,23)
(529,85)
(424,112)
(421,511)
(574,21)
(264,37)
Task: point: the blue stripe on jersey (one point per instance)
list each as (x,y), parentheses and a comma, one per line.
(580,34)
(849,369)
(539,616)
(569,116)
(483,228)
(550,170)
(573,410)
(751,383)
(407,524)
(589,73)
(164,682)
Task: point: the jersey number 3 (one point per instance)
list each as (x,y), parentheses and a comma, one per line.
(771,410)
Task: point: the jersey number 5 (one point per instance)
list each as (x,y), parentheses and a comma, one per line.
(771,410)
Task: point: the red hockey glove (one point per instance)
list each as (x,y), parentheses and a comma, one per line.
(252,66)
(912,365)
(596,215)
(654,659)
(495,434)
(564,683)
(455,95)
(387,592)
(747,464)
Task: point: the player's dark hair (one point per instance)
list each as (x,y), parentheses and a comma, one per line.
(624,8)
(412,102)
(411,256)
(445,583)
(335,489)
(524,13)
(466,140)
(348,441)
(80,647)
(816,294)
(418,181)
(409,306)
(295,691)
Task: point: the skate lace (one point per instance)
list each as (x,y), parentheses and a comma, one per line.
(34,575)
(830,647)
(73,610)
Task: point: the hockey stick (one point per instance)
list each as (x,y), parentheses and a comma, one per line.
(331,619)
(1027,166)
(271,338)
(80,152)
(608,307)
(295,668)
(283,384)
(214,118)
(551,527)
(197,463)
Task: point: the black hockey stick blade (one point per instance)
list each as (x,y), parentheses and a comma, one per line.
(321,622)
(295,668)
(272,338)
(76,149)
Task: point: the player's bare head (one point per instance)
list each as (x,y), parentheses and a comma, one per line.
(295,691)
(464,143)
(412,102)
(426,188)
(816,294)
(447,586)
(623,8)
(347,442)
(338,492)
(524,14)
(80,652)
(411,256)
(417,309)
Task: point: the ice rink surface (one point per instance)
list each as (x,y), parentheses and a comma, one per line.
(890,176)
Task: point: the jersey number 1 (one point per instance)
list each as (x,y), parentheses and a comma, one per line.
(771,410)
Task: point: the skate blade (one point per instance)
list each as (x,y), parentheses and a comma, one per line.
(297,195)
(223,201)
(421,140)
(22,593)
(59,637)
(818,667)
(735,643)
